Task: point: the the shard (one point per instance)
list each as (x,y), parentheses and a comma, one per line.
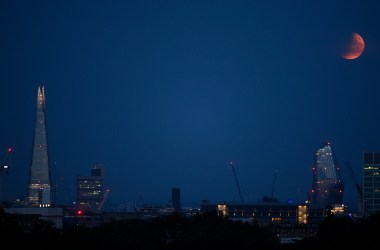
(39,176)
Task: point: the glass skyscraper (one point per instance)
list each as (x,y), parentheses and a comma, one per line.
(371,182)
(39,175)
(327,187)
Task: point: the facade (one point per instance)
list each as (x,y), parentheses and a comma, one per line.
(90,189)
(39,175)
(371,182)
(327,186)
(288,221)
(268,214)
(176,199)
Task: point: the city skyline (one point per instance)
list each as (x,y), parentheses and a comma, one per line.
(167,93)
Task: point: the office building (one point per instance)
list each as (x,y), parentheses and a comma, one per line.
(90,189)
(371,182)
(327,186)
(39,175)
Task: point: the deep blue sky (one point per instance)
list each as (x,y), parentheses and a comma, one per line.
(166,93)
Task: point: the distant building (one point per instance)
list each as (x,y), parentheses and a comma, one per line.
(327,186)
(371,182)
(39,175)
(288,221)
(264,214)
(90,189)
(176,199)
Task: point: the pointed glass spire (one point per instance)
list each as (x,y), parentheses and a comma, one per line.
(39,176)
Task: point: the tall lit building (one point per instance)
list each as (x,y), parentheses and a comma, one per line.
(371,182)
(90,189)
(327,186)
(39,175)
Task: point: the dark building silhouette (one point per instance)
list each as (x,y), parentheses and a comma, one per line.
(176,199)
(327,186)
(39,175)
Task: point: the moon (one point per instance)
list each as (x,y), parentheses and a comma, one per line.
(355,47)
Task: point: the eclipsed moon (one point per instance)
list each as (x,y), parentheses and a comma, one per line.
(354,48)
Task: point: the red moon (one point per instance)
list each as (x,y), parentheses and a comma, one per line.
(355,48)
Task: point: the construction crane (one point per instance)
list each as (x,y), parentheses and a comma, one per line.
(358,188)
(273,185)
(271,199)
(236,180)
(105,196)
(72,202)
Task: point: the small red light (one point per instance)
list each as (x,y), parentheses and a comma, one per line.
(79,212)
(9,150)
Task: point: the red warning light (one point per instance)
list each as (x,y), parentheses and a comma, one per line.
(9,150)
(79,212)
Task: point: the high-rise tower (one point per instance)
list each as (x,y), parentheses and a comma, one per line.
(39,176)
(327,187)
(371,182)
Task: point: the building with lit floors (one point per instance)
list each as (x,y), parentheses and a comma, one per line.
(371,182)
(39,173)
(90,189)
(327,185)
(288,221)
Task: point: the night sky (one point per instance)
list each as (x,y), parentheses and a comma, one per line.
(167,93)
